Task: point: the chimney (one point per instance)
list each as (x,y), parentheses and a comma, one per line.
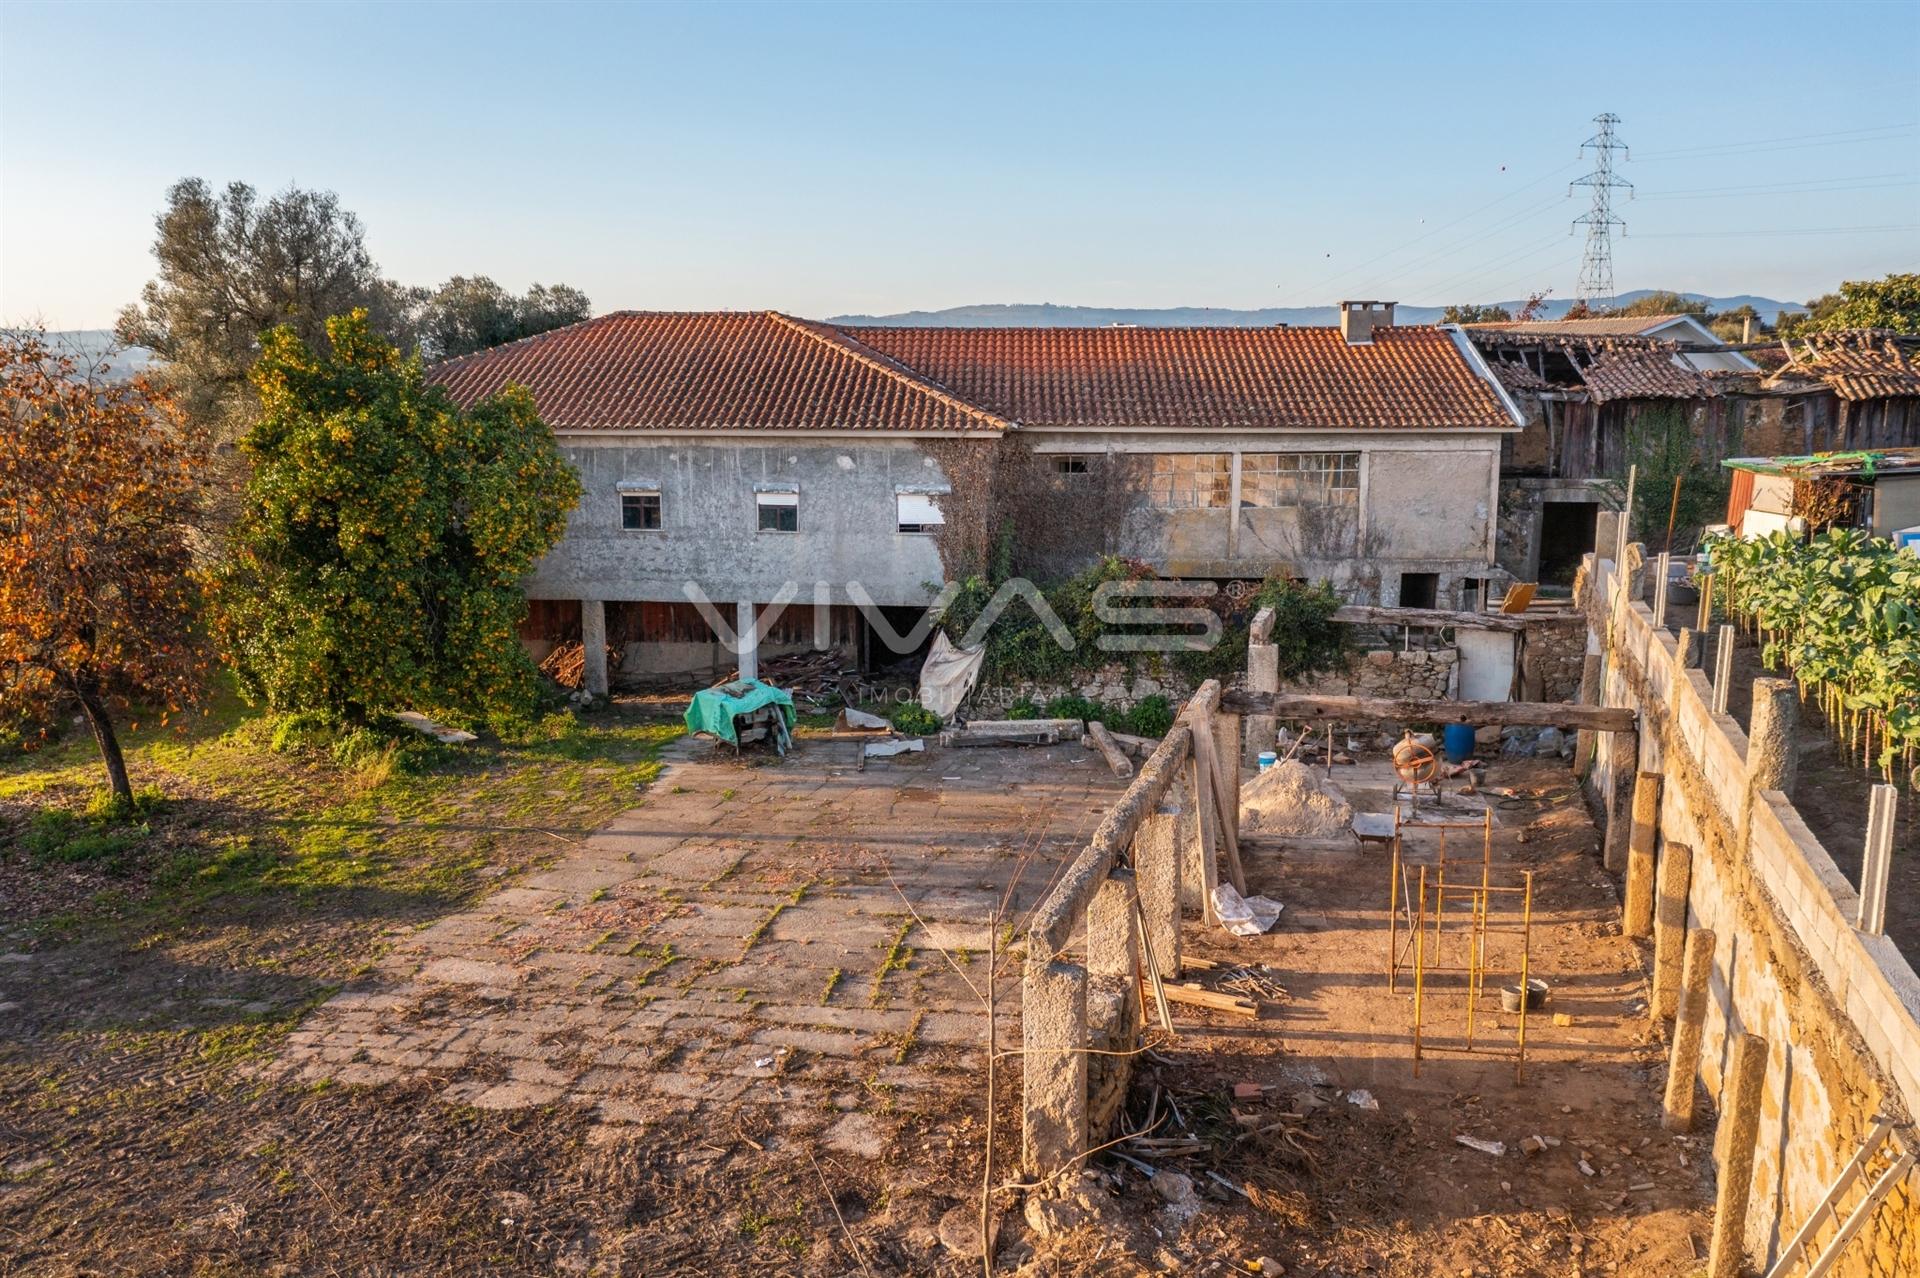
(1359,319)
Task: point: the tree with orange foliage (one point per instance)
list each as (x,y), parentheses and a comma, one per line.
(97,488)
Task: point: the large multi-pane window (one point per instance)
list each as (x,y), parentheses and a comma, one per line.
(1191,481)
(1299,479)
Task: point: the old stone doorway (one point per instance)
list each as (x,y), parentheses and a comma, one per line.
(1566,533)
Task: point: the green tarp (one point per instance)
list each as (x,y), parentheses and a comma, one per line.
(713,709)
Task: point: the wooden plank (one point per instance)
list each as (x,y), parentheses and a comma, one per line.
(1479,714)
(1211,999)
(1213,794)
(1509,623)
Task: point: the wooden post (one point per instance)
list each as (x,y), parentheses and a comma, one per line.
(1660,566)
(1723,670)
(1878,863)
(1740,1108)
(1670,928)
(1203,866)
(1684,1062)
(1640,854)
(1706,604)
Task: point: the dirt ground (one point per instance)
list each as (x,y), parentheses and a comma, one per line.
(739,1029)
(1370,1177)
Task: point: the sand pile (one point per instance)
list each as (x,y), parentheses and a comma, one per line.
(1289,798)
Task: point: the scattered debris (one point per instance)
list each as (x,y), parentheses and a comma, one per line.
(1244,916)
(1494,1147)
(439,732)
(852,720)
(1362,1098)
(1289,799)
(887,749)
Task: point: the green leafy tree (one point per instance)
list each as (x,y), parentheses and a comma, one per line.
(472,313)
(231,267)
(1661,302)
(1470,313)
(1732,325)
(383,535)
(1891,303)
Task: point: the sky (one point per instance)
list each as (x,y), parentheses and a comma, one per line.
(830,158)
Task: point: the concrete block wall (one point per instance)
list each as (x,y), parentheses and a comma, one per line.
(1840,1010)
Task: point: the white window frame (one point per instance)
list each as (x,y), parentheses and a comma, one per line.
(906,503)
(765,499)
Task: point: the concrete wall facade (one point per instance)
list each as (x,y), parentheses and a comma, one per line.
(1426,504)
(1381,672)
(848,529)
(1839,1009)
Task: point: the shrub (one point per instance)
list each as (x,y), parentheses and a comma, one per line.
(1075,707)
(914,719)
(1150,717)
(102,835)
(1024,708)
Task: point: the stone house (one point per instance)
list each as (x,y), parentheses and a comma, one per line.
(751,465)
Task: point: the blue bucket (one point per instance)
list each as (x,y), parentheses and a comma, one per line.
(1456,740)
(1267,759)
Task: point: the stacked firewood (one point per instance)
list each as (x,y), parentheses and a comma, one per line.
(566,665)
(822,678)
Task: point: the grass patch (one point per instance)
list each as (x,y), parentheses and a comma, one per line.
(899,954)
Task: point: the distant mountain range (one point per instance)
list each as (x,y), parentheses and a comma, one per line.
(1048,315)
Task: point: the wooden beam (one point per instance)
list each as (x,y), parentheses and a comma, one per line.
(1506,622)
(1479,714)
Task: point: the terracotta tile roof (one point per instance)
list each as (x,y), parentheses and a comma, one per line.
(1857,364)
(1644,374)
(649,370)
(1203,378)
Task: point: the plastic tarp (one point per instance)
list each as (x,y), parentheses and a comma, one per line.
(713,709)
(949,675)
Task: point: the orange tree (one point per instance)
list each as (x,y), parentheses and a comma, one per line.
(377,558)
(97,488)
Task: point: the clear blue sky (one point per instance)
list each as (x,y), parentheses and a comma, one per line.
(832,158)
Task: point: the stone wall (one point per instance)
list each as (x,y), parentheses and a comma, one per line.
(1839,1009)
(1550,664)
(1424,673)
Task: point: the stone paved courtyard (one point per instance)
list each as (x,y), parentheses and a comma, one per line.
(745,935)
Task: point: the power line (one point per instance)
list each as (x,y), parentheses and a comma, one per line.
(1596,265)
(1802,230)
(1792,142)
(1811,186)
(1492,231)
(1438,230)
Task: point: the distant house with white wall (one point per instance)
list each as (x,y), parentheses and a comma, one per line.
(755,458)
(1688,334)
